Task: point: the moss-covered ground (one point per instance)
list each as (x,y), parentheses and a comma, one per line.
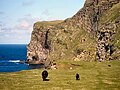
(93,76)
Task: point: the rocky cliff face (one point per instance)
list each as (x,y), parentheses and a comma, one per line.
(86,36)
(88,17)
(107,35)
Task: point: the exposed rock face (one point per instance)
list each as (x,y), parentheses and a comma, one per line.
(104,41)
(74,37)
(39,47)
(88,17)
(107,38)
(38,50)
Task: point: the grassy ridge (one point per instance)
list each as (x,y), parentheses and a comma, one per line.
(93,76)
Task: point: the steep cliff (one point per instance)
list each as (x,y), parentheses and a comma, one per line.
(108,38)
(92,33)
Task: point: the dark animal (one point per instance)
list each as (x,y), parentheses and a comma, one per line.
(77,76)
(44,75)
(109,65)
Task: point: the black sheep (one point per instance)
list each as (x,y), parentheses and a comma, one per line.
(44,75)
(109,65)
(77,76)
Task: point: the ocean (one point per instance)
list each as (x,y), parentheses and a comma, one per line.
(11,57)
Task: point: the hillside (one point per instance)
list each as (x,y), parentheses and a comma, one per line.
(91,34)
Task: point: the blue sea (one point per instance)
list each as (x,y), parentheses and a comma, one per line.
(11,57)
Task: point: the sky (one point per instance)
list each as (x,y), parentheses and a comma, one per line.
(18,16)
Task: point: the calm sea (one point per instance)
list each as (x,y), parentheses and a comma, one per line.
(10,57)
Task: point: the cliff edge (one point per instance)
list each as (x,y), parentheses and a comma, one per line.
(91,34)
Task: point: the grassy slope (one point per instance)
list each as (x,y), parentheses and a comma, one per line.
(93,76)
(67,38)
(47,23)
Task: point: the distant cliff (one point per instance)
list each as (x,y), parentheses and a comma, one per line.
(91,34)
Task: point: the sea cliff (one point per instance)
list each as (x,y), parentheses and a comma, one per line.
(91,34)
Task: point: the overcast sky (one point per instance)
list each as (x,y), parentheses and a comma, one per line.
(18,16)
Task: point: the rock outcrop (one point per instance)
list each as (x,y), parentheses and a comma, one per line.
(104,41)
(81,37)
(88,17)
(107,35)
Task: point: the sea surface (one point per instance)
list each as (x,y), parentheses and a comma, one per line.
(11,56)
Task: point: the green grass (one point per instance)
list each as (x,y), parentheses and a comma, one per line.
(93,76)
(46,24)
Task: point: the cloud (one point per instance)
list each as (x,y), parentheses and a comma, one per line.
(46,12)
(18,33)
(15,34)
(0,27)
(28,3)
(28,15)
(2,13)
(3,27)
(23,25)
(26,23)
(14,37)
